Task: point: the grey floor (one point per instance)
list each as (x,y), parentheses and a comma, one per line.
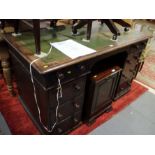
(136,119)
(4,129)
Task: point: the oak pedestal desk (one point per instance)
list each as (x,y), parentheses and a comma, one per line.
(75,77)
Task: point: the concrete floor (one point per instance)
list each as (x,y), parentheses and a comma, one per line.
(136,119)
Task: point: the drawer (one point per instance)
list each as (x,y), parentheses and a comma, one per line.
(68,124)
(65,74)
(67,109)
(127,76)
(72,72)
(130,71)
(70,91)
(132,60)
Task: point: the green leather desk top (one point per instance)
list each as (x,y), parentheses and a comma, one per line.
(100,41)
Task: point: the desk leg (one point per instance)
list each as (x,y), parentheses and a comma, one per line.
(7,75)
(36,32)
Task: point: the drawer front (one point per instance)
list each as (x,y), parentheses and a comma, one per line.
(66,74)
(72,72)
(130,70)
(70,91)
(67,109)
(103,94)
(67,124)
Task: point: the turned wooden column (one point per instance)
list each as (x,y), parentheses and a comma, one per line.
(5,64)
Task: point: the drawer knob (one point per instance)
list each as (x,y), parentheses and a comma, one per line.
(61,75)
(60,115)
(69,72)
(59,130)
(135,57)
(82,68)
(77,105)
(77,87)
(128,61)
(75,120)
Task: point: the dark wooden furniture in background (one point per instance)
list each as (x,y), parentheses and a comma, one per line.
(34,25)
(12,22)
(77,24)
(109,22)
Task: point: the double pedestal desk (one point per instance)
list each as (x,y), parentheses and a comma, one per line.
(70,92)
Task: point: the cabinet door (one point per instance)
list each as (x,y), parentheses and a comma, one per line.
(103,93)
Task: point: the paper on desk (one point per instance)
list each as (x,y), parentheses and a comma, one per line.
(72,48)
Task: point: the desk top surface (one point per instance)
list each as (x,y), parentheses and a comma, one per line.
(100,41)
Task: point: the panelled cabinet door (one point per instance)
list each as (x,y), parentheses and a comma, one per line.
(102,89)
(103,93)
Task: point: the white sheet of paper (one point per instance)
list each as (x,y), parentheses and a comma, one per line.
(72,48)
